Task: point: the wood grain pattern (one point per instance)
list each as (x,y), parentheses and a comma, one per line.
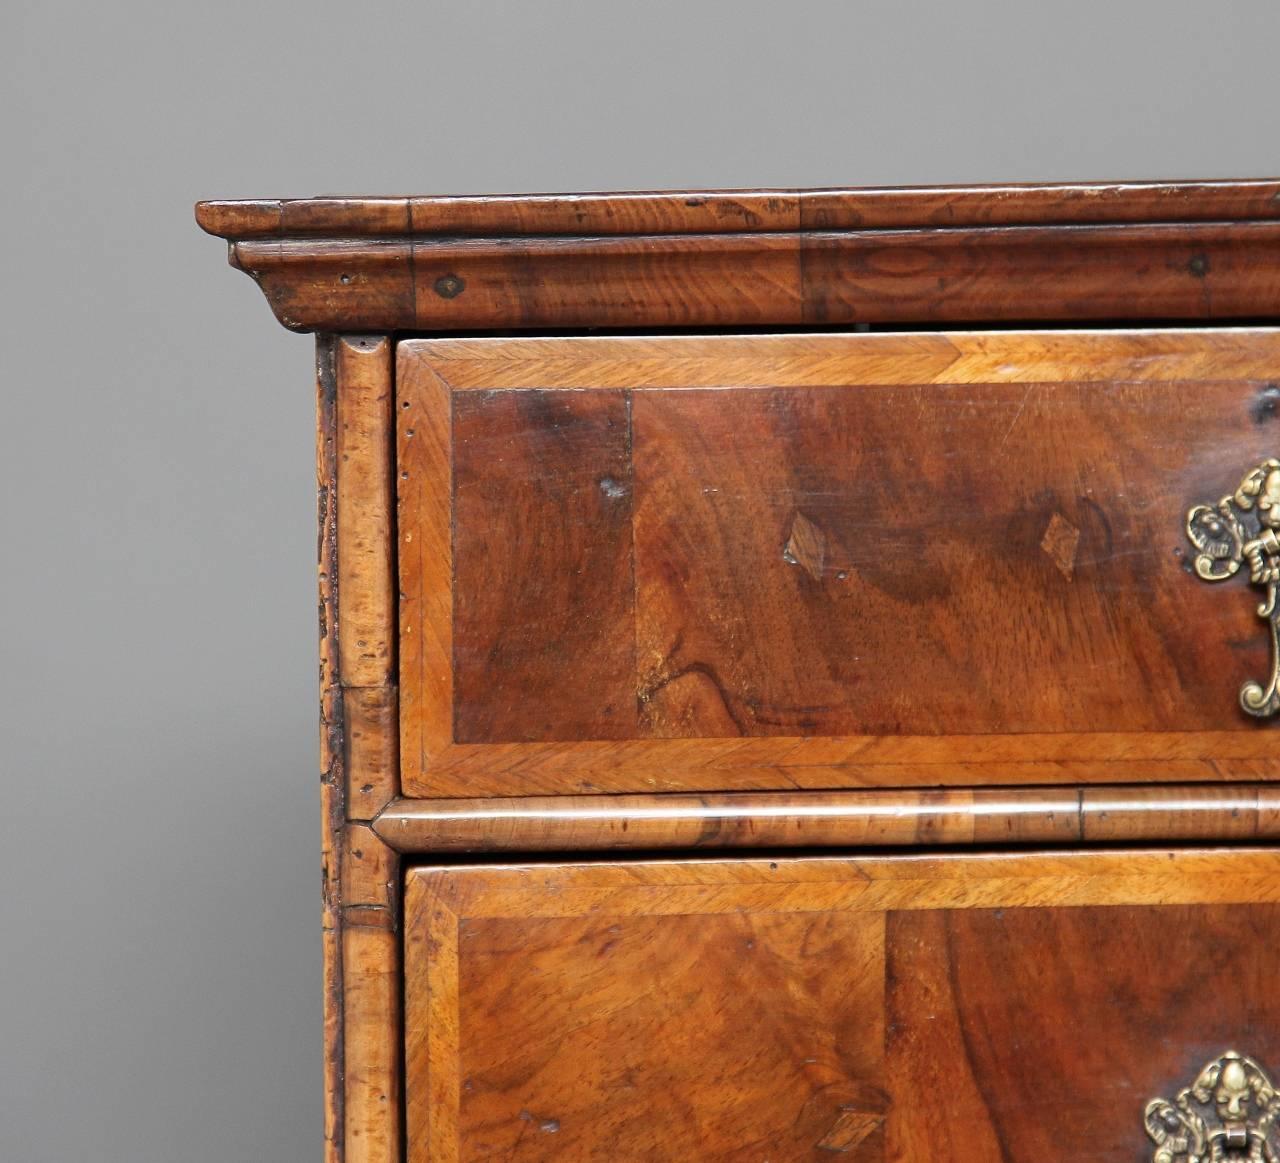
(358,751)
(1181,813)
(700,996)
(370,735)
(698,212)
(665,281)
(331,751)
(1199,271)
(542,566)
(815,562)
(715,211)
(424,526)
(689,362)
(333,285)
(914,590)
(745,258)
(733,211)
(971,816)
(366,575)
(789,1034)
(431,1030)
(833,583)
(1043,1032)
(364,456)
(371,1020)
(1068,203)
(370,872)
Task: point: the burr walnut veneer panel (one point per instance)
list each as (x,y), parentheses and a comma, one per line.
(699,563)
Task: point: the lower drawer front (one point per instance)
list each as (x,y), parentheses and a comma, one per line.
(1004,1008)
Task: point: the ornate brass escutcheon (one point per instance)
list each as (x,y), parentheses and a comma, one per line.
(1243,527)
(1228,1113)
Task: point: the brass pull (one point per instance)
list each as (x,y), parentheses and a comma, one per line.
(1228,1113)
(1243,527)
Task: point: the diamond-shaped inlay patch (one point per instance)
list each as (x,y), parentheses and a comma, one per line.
(850,1129)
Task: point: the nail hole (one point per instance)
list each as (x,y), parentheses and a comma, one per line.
(1266,404)
(450,286)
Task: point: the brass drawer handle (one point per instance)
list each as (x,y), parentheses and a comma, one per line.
(1228,1113)
(1243,527)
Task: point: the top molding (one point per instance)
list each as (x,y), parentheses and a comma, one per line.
(1081,252)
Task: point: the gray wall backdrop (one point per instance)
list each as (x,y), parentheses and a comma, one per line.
(159,907)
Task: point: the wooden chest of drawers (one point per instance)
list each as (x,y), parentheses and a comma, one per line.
(868,538)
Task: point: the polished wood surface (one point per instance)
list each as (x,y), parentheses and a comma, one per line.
(366,581)
(542,492)
(749,258)
(955,558)
(906,358)
(984,1008)
(860,819)
(736,211)
(359,758)
(823,561)
(924,590)
(1041,1033)
(1198,271)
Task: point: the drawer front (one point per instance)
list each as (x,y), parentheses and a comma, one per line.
(963,1008)
(725,563)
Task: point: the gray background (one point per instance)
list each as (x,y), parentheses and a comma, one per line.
(159,900)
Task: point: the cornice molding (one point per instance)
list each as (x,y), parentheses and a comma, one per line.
(1082,253)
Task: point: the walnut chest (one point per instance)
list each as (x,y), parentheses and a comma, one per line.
(799,670)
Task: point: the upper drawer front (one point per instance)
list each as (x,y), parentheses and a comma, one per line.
(821,561)
(965,1009)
